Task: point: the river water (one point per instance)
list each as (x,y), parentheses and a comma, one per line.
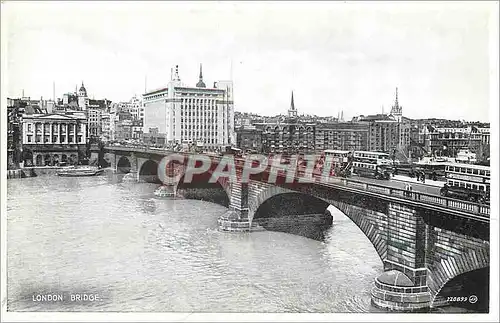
(97,235)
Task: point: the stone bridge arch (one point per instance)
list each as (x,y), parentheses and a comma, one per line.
(226,185)
(123,164)
(261,192)
(443,271)
(148,171)
(372,230)
(224,182)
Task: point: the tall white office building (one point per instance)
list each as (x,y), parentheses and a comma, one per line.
(182,114)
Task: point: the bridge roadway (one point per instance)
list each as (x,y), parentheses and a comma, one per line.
(422,195)
(420,188)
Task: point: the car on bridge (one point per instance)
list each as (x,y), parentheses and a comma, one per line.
(373,171)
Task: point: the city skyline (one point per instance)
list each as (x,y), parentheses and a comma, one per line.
(264,115)
(353,65)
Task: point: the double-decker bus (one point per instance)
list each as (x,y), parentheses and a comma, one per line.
(371,164)
(467,182)
(341,161)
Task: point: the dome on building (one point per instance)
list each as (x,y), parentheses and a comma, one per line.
(395,278)
(83,90)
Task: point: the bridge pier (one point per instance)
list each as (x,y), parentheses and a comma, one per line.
(403,287)
(133,163)
(94,157)
(234,221)
(169,187)
(236,218)
(167,190)
(394,291)
(111,158)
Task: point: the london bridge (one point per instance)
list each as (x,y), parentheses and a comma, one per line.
(426,242)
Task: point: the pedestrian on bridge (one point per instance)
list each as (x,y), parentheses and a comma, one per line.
(407,190)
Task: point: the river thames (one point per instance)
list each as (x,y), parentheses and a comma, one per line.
(100,236)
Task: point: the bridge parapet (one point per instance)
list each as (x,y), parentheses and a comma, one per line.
(469,207)
(482,210)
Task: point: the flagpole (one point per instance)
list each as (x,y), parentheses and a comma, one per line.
(231,70)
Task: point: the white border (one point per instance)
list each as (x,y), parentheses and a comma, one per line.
(260,317)
(494,116)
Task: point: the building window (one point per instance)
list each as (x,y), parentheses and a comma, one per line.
(30,138)
(38,138)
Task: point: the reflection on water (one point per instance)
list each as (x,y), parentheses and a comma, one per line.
(102,236)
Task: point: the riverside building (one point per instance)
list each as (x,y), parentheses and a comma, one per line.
(289,135)
(179,113)
(54,139)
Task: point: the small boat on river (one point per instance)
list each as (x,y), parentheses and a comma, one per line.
(81,171)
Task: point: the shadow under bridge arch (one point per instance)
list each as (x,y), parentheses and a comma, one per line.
(201,188)
(123,166)
(149,172)
(464,275)
(291,212)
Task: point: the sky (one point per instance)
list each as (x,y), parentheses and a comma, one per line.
(333,55)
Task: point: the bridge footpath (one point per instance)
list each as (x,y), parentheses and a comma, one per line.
(425,241)
(401,184)
(428,182)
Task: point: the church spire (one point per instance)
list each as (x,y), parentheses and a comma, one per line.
(397,110)
(200,81)
(292,112)
(396,103)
